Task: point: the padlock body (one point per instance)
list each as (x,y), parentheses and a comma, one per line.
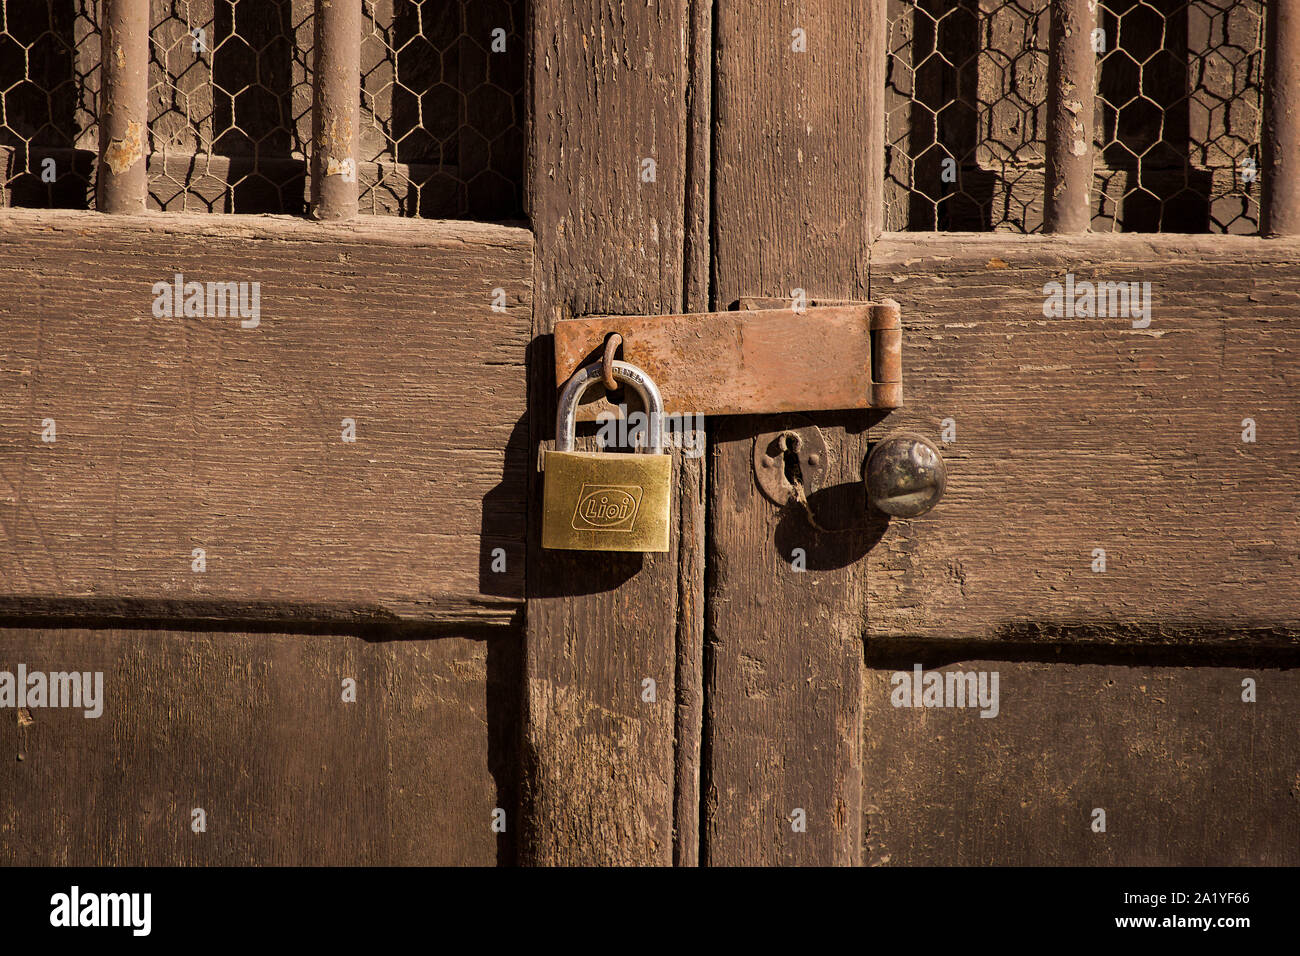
(599,501)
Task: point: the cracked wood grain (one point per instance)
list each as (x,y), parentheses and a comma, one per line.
(1188,773)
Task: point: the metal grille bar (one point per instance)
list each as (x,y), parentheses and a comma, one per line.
(1281,154)
(122,183)
(1071,90)
(336,112)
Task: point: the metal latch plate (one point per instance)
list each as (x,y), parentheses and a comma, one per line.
(751,361)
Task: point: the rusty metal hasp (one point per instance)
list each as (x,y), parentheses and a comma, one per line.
(754,360)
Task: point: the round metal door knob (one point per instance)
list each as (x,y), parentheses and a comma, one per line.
(905,475)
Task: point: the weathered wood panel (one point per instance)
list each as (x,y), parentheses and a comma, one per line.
(1078,434)
(797,166)
(252,728)
(1187,772)
(175,434)
(599,759)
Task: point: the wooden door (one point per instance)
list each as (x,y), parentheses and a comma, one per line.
(300,541)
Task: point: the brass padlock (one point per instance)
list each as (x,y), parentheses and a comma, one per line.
(607,501)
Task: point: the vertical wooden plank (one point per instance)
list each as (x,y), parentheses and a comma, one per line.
(798,160)
(121,185)
(1071,92)
(690,691)
(336,109)
(692,486)
(1281,154)
(606,186)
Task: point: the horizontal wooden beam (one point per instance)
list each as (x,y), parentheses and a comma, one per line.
(350,444)
(1161,439)
(739,363)
(207,182)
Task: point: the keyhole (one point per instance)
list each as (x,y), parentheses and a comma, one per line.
(789,461)
(790,456)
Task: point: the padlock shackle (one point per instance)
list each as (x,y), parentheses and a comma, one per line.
(566,416)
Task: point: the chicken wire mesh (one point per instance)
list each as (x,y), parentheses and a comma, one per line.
(230,97)
(49,71)
(1178,109)
(1177,115)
